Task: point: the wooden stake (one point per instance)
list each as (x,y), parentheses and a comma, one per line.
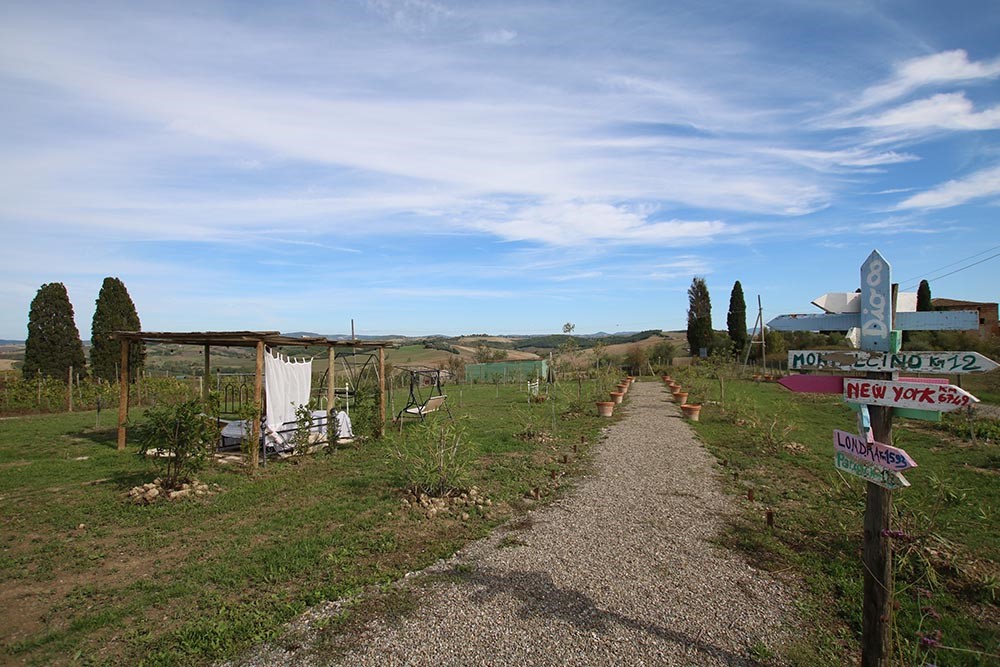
(878,580)
(123,395)
(204,382)
(258,394)
(381,393)
(69,391)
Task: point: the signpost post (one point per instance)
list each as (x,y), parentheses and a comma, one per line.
(874,312)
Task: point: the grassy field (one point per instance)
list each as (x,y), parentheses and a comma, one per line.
(779,445)
(101,581)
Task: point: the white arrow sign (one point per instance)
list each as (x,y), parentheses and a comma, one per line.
(850,302)
(938,363)
(943,397)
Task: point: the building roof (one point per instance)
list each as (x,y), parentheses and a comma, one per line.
(951,303)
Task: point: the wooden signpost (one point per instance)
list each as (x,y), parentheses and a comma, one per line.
(875,312)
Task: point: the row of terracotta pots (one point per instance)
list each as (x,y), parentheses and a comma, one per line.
(607,408)
(690,411)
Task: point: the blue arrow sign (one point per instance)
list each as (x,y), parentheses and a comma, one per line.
(876,303)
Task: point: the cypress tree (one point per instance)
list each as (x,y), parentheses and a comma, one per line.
(114,311)
(699,330)
(53,343)
(736,320)
(924,297)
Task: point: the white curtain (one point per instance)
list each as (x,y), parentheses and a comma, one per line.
(287,385)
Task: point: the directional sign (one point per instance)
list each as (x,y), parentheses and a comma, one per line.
(834,384)
(953,320)
(850,302)
(813,384)
(943,397)
(876,453)
(938,363)
(876,303)
(884,478)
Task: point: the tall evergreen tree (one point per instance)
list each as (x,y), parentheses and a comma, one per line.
(736,320)
(53,343)
(924,297)
(699,329)
(114,311)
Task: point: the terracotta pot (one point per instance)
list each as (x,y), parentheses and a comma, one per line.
(623,387)
(667,379)
(680,397)
(617,397)
(691,411)
(605,408)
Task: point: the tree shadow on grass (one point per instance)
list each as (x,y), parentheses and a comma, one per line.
(540,596)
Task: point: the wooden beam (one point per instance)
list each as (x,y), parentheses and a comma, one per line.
(258,392)
(123,395)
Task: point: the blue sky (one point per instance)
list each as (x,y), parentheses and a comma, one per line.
(429,166)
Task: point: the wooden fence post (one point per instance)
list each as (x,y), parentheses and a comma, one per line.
(69,391)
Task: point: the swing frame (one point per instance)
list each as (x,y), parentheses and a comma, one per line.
(417,406)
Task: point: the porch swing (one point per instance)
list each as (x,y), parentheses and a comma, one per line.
(416,404)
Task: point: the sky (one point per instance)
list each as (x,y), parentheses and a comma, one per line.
(455,167)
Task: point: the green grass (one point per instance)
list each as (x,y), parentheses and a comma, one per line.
(103,581)
(780,445)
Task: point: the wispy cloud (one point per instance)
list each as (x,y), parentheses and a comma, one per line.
(935,69)
(947,111)
(981,184)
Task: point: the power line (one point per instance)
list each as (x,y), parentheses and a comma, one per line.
(947,266)
(967,266)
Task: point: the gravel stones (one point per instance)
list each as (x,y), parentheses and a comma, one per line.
(620,572)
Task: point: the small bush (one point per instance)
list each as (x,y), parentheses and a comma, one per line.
(180,438)
(434,457)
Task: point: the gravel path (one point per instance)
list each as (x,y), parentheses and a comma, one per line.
(619,572)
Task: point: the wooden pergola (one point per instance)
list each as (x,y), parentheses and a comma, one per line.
(254,339)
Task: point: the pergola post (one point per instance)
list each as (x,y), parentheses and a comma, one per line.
(205,376)
(258,392)
(123,395)
(331,387)
(380,430)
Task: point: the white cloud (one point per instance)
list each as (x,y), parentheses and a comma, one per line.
(951,111)
(501,37)
(572,223)
(938,68)
(982,184)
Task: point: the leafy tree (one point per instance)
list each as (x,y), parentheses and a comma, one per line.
(736,320)
(924,297)
(114,312)
(699,329)
(53,343)
(636,359)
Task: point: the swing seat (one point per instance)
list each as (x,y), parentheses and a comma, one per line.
(432,404)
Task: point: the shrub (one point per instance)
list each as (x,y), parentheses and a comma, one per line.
(180,438)
(434,457)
